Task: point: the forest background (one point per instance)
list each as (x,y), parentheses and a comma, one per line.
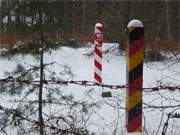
(64,20)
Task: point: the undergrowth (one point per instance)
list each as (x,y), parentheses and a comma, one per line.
(33,48)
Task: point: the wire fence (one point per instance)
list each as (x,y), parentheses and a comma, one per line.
(85,83)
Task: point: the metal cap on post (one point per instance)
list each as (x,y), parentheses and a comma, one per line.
(135,23)
(135,76)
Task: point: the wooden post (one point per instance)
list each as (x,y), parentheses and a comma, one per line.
(98,41)
(98,54)
(135,60)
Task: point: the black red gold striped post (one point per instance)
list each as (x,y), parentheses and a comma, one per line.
(135,60)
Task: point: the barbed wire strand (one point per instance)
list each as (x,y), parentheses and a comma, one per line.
(85,83)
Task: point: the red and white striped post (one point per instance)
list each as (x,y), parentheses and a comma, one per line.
(98,41)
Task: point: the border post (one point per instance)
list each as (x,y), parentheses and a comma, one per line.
(98,41)
(135,58)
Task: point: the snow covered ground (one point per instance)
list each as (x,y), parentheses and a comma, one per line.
(111,115)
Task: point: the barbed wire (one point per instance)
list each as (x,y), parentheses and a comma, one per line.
(54,81)
(170,115)
(11,79)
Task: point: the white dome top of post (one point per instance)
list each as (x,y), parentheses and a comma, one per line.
(135,23)
(98,25)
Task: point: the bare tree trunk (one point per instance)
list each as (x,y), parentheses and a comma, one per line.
(74,17)
(65,28)
(17,14)
(83,18)
(41,122)
(167,20)
(179,23)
